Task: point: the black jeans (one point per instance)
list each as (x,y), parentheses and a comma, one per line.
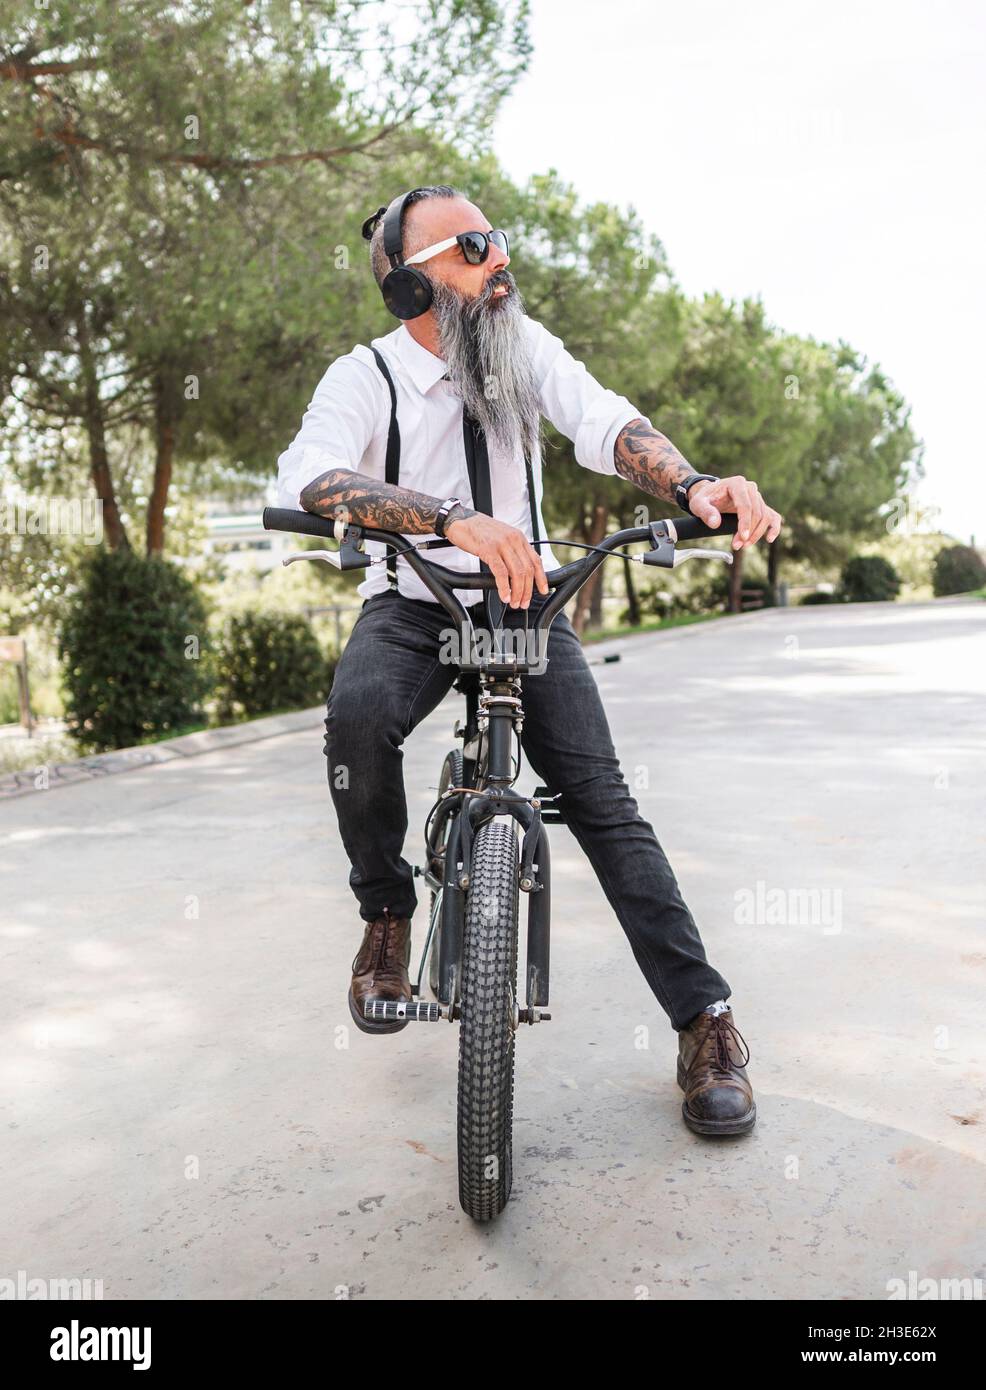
(390,677)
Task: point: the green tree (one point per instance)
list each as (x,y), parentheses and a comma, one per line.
(862,456)
(170,179)
(731,408)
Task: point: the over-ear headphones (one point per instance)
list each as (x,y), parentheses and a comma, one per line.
(406,290)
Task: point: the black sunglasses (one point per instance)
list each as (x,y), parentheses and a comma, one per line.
(475,247)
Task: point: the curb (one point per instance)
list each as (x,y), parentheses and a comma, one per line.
(23,783)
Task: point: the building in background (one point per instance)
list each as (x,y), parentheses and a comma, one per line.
(236,538)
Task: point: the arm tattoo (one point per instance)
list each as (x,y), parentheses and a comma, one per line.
(649,460)
(368,502)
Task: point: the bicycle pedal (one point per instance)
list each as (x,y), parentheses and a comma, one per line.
(391,1010)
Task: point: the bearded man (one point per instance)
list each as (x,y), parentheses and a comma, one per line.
(466,357)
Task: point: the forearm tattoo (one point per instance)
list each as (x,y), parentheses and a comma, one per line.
(368,502)
(649,460)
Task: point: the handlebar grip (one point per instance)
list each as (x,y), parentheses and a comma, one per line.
(304,523)
(691,528)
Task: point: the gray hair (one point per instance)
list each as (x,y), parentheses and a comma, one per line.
(378,260)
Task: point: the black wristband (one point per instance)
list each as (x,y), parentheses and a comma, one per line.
(681,489)
(447,506)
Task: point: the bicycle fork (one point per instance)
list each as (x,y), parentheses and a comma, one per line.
(498,713)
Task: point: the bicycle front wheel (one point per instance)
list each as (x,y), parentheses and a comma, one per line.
(488,1023)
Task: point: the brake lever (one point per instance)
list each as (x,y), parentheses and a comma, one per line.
(668,558)
(331,557)
(349,556)
(680,556)
(664,554)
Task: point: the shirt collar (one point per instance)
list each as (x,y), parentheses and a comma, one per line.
(423,367)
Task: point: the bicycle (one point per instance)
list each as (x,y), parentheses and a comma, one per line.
(475,865)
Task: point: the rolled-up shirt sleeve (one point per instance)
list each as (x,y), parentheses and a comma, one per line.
(587,413)
(336,429)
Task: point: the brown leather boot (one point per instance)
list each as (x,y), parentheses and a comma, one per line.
(380,970)
(712,1057)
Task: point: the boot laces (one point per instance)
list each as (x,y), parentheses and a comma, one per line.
(375,935)
(382,945)
(720,1032)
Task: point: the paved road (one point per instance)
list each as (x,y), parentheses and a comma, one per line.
(186,1111)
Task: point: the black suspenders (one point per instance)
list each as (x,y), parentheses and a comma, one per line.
(393,466)
(533,501)
(477,462)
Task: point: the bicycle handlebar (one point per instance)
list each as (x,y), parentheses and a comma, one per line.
(441,581)
(688,528)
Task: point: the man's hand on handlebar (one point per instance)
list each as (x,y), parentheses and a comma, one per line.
(512,560)
(755,519)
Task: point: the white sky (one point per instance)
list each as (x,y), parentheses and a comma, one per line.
(827,156)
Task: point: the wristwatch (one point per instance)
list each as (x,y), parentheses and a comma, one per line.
(681,489)
(442,516)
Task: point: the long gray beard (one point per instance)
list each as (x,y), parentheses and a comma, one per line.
(489,363)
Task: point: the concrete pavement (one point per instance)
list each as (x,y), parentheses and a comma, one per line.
(186,1111)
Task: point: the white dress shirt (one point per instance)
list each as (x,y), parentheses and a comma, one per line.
(346,425)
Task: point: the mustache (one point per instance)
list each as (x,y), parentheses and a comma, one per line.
(471,307)
(500,277)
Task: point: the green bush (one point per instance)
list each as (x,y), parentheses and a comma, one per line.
(869,579)
(957,569)
(819,596)
(129,646)
(266,662)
